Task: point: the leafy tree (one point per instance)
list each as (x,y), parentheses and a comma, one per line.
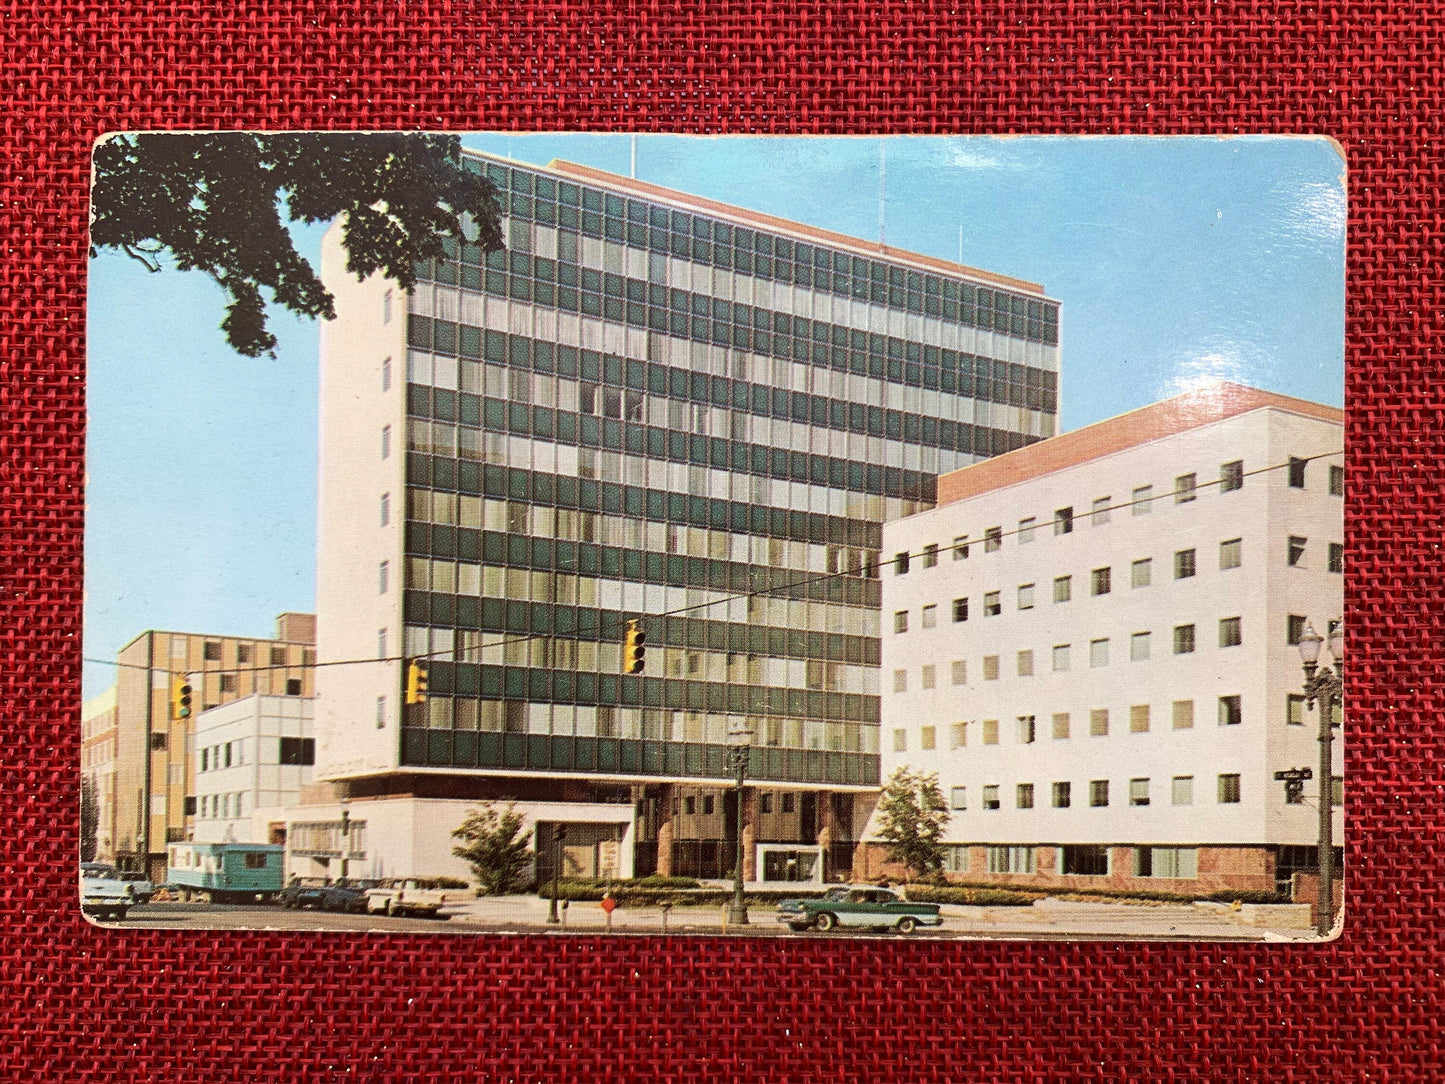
(89,819)
(913,815)
(495,848)
(214,202)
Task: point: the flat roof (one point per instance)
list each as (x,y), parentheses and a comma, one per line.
(685,200)
(1191,410)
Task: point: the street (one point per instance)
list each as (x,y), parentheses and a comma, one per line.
(1047,920)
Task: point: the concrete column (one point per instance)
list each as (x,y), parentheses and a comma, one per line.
(825,832)
(664,833)
(749,814)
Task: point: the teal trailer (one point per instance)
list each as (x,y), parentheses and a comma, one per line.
(227,872)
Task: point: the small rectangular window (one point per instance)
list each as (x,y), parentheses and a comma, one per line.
(1297,473)
(1337,481)
(1337,790)
(1099,723)
(386,374)
(1026,596)
(1294,714)
(709,805)
(1230,632)
(381,713)
(386,307)
(1138,792)
(992,607)
(1064,520)
(1337,557)
(960,547)
(1141,572)
(1182,790)
(1024,796)
(1099,793)
(386,442)
(990,668)
(900,740)
(960,609)
(1231,713)
(1184,487)
(958,735)
(990,732)
(960,672)
(278,656)
(1294,628)
(928,678)
(1228,789)
(1100,513)
(1061,725)
(1027,731)
(1139,647)
(990,796)
(900,681)
(930,555)
(381,576)
(1183,639)
(1063,588)
(1025,663)
(1027,526)
(930,617)
(293,686)
(992,539)
(1183,714)
(900,564)
(1061,795)
(228,683)
(1231,476)
(1230,553)
(1139,719)
(1085,860)
(1184,564)
(385,509)
(958,798)
(211,652)
(1099,581)
(1099,652)
(900,621)
(1295,552)
(1061,658)
(927,737)
(1142,500)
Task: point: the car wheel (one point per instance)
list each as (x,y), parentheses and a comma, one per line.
(827,921)
(907,924)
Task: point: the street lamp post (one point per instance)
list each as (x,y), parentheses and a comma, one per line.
(1327,686)
(558,835)
(740,739)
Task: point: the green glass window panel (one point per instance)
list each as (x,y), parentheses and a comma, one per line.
(514,681)
(489,750)
(414,746)
(492,614)
(585,754)
(607,688)
(562,752)
(607,754)
(611,561)
(439,747)
(586,688)
(464,749)
(514,750)
(629,758)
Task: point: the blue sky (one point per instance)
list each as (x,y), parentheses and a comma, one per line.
(1177,260)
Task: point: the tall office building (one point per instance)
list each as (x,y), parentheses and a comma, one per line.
(1094,642)
(650,406)
(155,766)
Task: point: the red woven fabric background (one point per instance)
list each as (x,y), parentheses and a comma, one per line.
(91,1005)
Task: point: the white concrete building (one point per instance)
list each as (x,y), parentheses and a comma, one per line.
(1092,641)
(252,757)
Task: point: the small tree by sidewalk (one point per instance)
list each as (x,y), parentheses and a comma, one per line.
(493,845)
(913,815)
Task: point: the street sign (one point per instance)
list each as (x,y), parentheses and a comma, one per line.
(608,905)
(1294,775)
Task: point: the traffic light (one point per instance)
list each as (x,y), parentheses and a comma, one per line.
(632,650)
(181,697)
(416,682)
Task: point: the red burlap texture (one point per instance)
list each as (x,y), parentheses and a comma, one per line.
(91,1005)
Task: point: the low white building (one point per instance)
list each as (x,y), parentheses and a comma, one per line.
(1092,640)
(252,757)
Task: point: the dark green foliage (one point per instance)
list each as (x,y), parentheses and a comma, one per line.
(215,202)
(495,848)
(972,896)
(913,815)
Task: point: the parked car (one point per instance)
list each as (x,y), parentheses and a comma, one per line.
(407,897)
(103,895)
(140,885)
(348,897)
(302,892)
(858,906)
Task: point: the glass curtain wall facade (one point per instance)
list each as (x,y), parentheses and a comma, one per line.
(651,407)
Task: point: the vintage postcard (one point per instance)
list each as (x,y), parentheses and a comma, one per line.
(812,537)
